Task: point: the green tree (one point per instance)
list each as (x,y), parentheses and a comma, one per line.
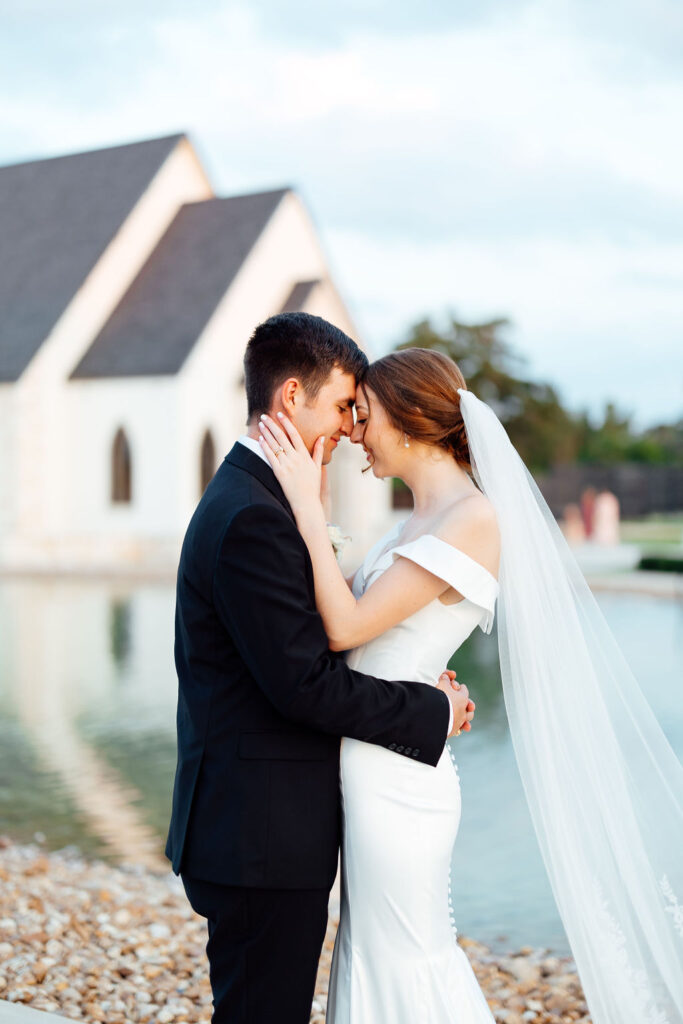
(616,440)
(607,443)
(542,431)
(667,441)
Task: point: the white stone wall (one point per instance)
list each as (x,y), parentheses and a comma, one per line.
(56,435)
(7,463)
(42,419)
(142,530)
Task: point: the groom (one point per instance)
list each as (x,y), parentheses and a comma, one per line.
(262,701)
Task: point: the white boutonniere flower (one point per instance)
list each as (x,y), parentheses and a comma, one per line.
(338,540)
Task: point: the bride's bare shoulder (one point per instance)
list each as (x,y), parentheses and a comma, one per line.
(473,511)
(471,525)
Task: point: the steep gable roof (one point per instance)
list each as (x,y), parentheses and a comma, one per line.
(297,298)
(156,324)
(58,216)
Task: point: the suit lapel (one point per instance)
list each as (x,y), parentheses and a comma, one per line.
(241,457)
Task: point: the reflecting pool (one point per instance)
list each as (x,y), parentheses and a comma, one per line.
(87,738)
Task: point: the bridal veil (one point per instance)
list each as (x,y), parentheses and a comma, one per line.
(604,787)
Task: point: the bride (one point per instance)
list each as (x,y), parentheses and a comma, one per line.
(604,788)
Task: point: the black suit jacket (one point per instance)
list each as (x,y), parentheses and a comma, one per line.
(262,701)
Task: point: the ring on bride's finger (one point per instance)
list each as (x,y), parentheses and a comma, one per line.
(458,732)
(278,452)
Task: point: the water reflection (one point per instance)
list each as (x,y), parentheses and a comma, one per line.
(120,630)
(60,668)
(503,893)
(87,739)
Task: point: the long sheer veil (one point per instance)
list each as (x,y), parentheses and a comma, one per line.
(604,787)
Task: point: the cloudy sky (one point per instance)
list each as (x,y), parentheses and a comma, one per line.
(483,157)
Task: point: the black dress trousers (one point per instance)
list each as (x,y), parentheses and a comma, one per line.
(263,950)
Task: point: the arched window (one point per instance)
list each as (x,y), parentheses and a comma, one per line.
(120,468)
(207,461)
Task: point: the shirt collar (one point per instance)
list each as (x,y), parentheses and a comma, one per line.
(254,447)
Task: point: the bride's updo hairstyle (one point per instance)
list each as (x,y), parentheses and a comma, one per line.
(418,389)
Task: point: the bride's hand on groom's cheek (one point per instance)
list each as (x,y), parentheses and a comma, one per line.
(297,470)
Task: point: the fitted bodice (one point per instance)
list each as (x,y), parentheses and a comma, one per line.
(419,647)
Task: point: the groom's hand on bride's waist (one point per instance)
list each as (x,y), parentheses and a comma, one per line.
(459,698)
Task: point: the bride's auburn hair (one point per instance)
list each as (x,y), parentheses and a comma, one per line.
(418,389)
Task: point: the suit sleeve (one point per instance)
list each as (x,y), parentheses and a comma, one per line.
(262,595)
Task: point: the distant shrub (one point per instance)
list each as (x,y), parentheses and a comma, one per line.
(662,563)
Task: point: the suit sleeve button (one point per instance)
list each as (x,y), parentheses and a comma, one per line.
(408,750)
(416,751)
(399,749)
(392,746)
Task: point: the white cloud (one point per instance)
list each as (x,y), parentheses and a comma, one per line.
(529,164)
(599,322)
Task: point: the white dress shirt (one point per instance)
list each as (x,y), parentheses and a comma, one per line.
(255,447)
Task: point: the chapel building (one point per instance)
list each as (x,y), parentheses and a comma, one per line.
(128,292)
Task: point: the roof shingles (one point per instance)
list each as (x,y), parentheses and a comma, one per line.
(157,322)
(57,217)
(300,293)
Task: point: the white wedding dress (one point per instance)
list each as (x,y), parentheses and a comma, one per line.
(396,959)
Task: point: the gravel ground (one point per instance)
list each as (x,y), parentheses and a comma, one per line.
(121,945)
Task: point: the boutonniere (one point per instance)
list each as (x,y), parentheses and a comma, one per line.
(338,540)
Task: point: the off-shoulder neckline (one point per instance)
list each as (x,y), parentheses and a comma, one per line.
(368,569)
(451,547)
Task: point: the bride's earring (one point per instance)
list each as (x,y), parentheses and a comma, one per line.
(406,443)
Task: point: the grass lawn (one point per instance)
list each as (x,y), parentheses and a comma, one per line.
(654,532)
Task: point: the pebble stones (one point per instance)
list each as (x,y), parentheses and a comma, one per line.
(121,945)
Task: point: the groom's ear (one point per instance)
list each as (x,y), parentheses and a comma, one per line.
(290,395)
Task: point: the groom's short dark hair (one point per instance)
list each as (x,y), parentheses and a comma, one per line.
(296,345)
